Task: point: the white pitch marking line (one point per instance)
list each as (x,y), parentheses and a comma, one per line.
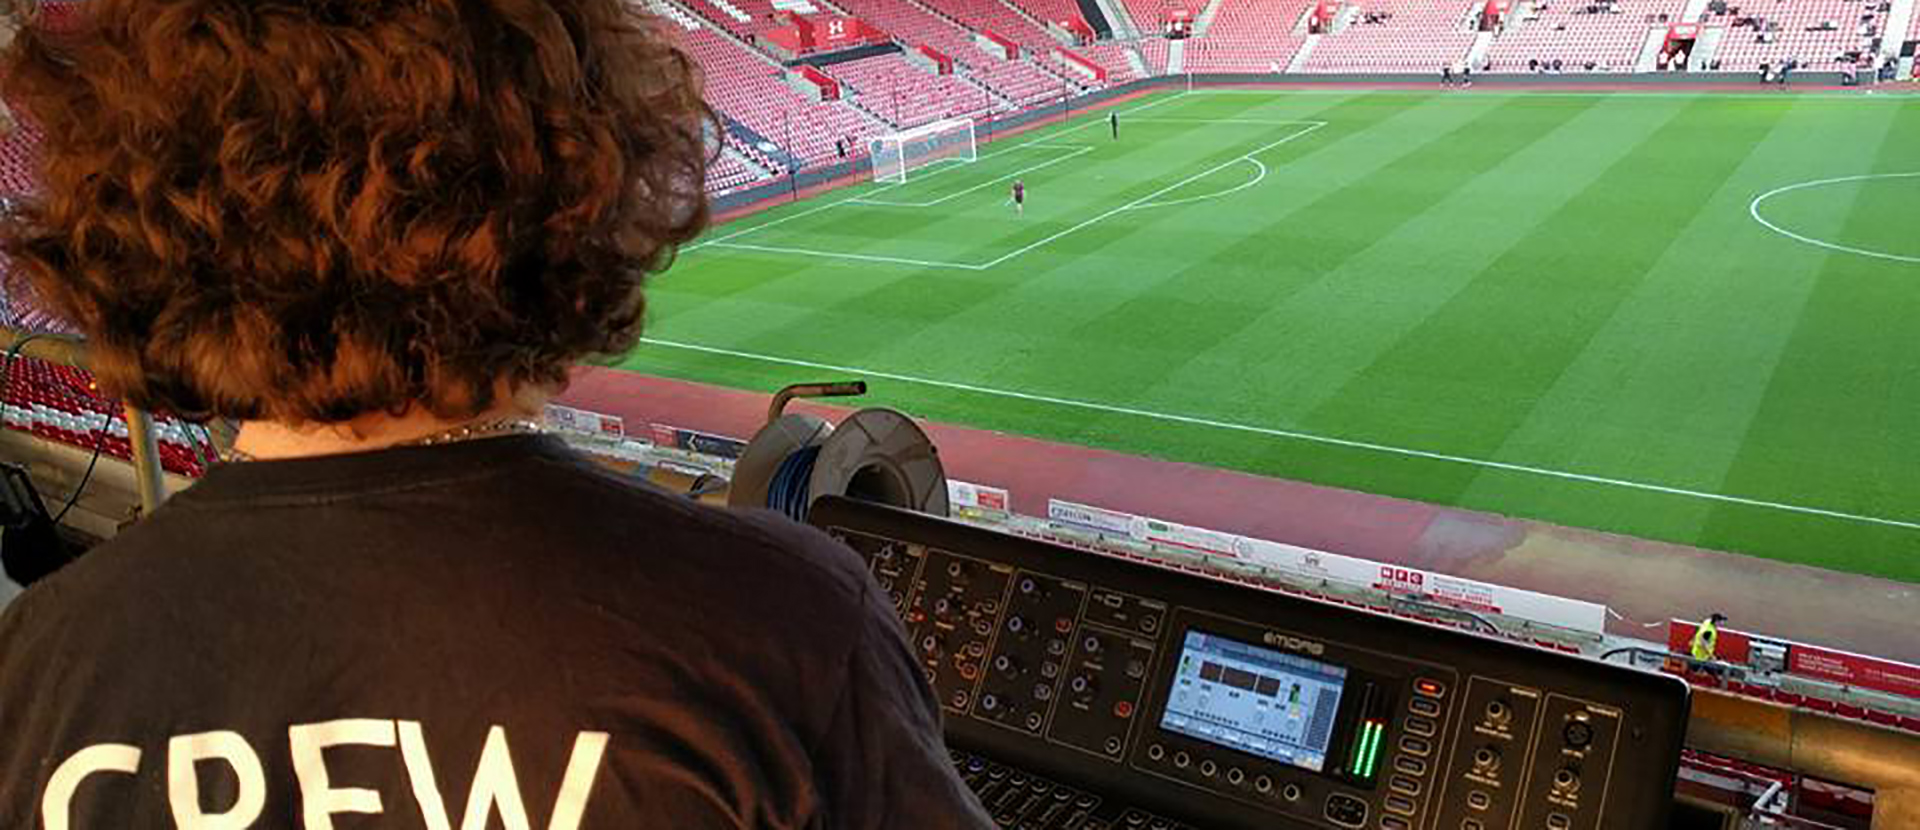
(1258,178)
(1753,209)
(830,205)
(1293,435)
(1077,151)
(1158,119)
(1149,197)
(776,249)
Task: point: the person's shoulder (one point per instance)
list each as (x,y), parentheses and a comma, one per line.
(755,544)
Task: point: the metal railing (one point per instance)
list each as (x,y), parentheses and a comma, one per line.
(70,350)
(1814,744)
(1822,745)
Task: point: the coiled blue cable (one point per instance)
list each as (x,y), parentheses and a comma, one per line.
(788,492)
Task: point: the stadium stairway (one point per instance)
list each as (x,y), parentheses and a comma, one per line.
(1176,57)
(1205,20)
(1023,72)
(1900,18)
(1300,58)
(1477,54)
(1649,55)
(1248,36)
(1117,18)
(1419,36)
(1007,82)
(1020,10)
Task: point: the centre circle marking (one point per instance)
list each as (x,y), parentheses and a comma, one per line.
(1753,209)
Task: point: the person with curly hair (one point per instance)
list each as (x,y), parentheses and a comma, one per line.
(379,233)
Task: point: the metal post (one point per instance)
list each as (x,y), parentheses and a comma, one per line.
(793,161)
(147,471)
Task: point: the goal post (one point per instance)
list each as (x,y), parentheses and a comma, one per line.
(897,156)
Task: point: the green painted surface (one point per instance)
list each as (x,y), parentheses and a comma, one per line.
(1548,306)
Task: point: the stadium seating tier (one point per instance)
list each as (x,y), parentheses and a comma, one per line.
(1413,36)
(1248,36)
(1800,33)
(908,94)
(1575,35)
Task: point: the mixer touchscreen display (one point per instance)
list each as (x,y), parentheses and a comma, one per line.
(1254,699)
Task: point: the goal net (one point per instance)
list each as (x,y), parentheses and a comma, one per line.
(896,156)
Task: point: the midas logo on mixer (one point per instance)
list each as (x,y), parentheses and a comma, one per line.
(1291,643)
(495,789)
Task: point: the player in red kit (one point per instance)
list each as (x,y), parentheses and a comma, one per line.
(1019,196)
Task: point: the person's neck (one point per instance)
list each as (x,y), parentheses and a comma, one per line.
(267,440)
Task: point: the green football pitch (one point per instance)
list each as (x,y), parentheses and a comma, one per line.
(1683,317)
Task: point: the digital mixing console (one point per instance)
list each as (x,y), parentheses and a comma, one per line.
(1089,692)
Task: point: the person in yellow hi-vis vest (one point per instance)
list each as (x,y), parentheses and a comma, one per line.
(1706,641)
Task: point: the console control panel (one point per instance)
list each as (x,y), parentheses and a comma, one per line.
(1165,699)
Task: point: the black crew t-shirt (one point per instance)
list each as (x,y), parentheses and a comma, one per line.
(492,634)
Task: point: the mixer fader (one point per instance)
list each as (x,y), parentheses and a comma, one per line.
(1085,692)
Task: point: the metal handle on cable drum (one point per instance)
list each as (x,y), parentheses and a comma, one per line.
(876,454)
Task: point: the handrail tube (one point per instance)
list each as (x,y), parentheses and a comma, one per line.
(146,444)
(71,350)
(1815,744)
(64,349)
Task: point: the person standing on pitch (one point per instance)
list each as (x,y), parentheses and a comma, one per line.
(1113,121)
(1019,196)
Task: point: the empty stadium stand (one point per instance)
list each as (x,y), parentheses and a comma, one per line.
(1113,56)
(1013,81)
(1001,19)
(747,86)
(1415,36)
(1049,10)
(1153,51)
(58,403)
(906,94)
(1576,36)
(1793,29)
(1248,36)
(746,18)
(1148,15)
(729,172)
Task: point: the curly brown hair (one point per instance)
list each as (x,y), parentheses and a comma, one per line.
(310,211)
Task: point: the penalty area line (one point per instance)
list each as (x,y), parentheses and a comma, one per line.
(893,260)
(1144,200)
(1077,152)
(1049,133)
(1292,435)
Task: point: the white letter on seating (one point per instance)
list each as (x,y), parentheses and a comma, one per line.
(309,742)
(66,779)
(183,780)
